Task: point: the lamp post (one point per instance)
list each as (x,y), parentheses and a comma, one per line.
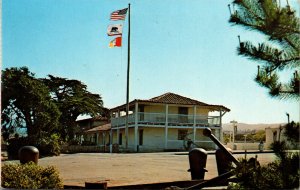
(288,116)
(233,133)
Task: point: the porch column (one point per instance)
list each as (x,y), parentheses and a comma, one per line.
(118,135)
(136,109)
(97,138)
(194,123)
(111,141)
(118,129)
(103,138)
(110,136)
(166,126)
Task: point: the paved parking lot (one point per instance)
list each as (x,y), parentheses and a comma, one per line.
(123,169)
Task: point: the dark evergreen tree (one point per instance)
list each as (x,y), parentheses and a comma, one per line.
(44,106)
(282,49)
(26,103)
(73,99)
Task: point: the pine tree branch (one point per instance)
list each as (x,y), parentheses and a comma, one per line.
(270,80)
(263,52)
(273,57)
(281,26)
(248,9)
(291,43)
(286,61)
(276,24)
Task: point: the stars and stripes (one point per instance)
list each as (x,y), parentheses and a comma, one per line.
(119,14)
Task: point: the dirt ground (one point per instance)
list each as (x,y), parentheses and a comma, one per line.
(129,169)
(125,169)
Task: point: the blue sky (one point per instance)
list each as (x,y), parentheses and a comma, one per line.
(181,46)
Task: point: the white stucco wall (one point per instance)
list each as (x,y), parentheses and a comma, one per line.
(154,139)
(154,108)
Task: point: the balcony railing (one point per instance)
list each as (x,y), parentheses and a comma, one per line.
(172,119)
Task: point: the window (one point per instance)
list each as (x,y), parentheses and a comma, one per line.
(141,137)
(183,110)
(182,133)
(120,138)
(183,114)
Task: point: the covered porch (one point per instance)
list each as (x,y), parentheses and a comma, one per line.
(98,136)
(159,139)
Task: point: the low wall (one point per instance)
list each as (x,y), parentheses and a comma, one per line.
(88,149)
(208,146)
(82,149)
(247,146)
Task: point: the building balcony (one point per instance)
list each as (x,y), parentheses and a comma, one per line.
(162,119)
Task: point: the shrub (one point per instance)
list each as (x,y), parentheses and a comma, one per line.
(292,132)
(88,143)
(30,176)
(74,142)
(284,173)
(47,145)
(15,144)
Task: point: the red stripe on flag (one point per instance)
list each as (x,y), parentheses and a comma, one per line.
(118,42)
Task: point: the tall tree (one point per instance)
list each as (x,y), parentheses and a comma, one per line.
(73,99)
(26,103)
(282,49)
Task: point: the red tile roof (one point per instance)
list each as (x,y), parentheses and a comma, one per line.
(104,127)
(171,98)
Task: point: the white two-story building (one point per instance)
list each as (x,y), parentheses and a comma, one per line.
(166,122)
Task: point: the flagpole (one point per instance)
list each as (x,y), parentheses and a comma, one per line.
(127,89)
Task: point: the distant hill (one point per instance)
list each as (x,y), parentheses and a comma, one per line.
(249,127)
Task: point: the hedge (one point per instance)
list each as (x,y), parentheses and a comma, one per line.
(30,176)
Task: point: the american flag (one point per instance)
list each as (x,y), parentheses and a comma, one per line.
(118,15)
